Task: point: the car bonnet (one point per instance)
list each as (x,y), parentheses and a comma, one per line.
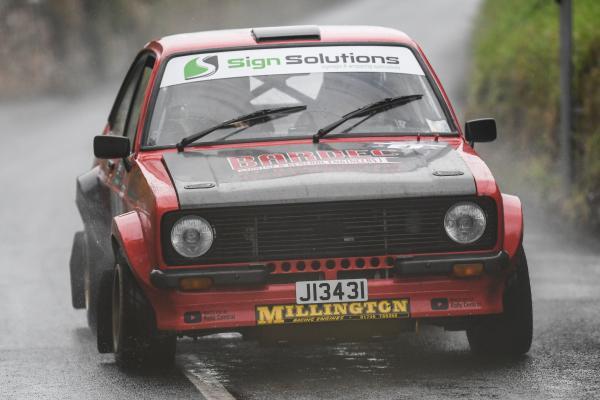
(308,172)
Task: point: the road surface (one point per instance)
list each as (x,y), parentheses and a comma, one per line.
(47,351)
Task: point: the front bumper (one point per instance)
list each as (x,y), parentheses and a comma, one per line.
(233,304)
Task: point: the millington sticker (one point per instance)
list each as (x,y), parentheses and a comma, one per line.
(292,60)
(312,313)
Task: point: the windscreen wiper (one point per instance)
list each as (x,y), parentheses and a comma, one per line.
(253,118)
(367,111)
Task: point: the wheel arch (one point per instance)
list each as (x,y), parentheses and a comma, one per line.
(513,224)
(129,245)
(93,203)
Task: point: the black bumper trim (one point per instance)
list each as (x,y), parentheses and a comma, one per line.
(431,265)
(222,276)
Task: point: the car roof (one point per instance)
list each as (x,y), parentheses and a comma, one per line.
(221,39)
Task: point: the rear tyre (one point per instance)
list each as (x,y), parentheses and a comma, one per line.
(77,266)
(511,332)
(135,340)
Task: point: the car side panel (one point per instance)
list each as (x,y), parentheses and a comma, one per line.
(135,234)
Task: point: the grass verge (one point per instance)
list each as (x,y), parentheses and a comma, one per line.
(516,80)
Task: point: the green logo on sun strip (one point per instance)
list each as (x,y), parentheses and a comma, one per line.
(197,68)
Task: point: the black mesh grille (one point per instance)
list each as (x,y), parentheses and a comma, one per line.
(332,229)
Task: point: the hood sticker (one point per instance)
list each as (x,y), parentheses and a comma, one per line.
(381,153)
(293,60)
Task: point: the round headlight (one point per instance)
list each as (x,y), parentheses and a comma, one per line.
(464,222)
(192,236)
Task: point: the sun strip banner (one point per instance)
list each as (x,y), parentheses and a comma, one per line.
(290,60)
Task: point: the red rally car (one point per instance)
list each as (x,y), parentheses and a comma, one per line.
(290,183)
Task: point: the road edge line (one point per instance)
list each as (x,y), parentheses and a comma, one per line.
(208,386)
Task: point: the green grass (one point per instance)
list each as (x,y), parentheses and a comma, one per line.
(516,79)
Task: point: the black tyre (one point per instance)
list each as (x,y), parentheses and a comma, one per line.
(97,277)
(77,267)
(103,312)
(511,332)
(135,340)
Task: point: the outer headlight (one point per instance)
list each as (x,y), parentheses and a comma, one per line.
(465,222)
(192,236)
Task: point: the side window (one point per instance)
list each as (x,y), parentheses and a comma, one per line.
(119,118)
(138,99)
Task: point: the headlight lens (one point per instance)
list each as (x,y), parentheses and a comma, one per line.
(465,222)
(192,236)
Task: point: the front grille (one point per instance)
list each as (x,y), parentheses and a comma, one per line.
(331,229)
(379,273)
(295,277)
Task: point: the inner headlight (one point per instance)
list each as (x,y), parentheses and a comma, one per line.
(192,236)
(464,222)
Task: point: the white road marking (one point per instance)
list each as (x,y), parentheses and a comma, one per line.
(207,384)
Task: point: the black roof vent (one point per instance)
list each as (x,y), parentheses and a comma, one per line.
(278,33)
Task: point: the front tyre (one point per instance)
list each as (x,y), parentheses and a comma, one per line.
(136,342)
(510,333)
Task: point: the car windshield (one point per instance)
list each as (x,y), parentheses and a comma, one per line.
(200,91)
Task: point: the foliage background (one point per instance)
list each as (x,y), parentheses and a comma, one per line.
(515,78)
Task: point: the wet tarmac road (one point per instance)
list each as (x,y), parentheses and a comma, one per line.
(46,350)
